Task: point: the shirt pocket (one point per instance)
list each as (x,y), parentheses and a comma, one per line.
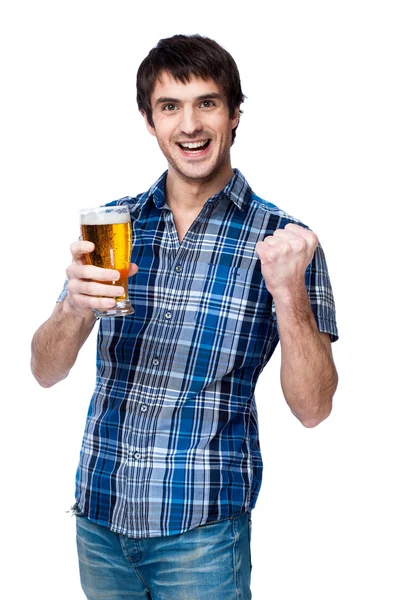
(231,316)
(229,297)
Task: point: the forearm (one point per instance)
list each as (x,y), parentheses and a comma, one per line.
(56,344)
(308,373)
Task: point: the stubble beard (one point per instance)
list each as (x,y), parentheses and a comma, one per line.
(196,173)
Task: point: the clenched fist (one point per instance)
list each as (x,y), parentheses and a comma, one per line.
(284,258)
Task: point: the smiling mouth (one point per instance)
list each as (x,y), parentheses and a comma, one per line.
(194,146)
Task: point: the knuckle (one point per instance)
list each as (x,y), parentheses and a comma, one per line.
(79,248)
(85,300)
(75,248)
(260,250)
(89,288)
(86,272)
(72,286)
(259,247)
(300,244)
(99,274)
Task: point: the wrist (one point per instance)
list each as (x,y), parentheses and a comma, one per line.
(290,295)
(293,310)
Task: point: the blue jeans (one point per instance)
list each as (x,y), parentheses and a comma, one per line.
(210,562)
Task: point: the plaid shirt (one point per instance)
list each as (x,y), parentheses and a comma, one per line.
(171,438)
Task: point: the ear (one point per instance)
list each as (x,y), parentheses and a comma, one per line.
(150,128)
(235,118)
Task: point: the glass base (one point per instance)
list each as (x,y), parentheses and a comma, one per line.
(121,309)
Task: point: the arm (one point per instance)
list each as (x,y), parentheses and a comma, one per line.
(56,344)
(308,373)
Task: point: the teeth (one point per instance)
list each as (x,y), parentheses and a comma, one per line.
(192,145)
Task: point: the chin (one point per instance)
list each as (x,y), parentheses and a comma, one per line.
(196,173)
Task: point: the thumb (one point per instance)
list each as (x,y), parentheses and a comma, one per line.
(133,269)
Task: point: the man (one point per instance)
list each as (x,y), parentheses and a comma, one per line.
(170,465)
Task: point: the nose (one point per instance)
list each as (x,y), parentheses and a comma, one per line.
(190,121)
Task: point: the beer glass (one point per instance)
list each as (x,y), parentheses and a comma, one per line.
(110,230)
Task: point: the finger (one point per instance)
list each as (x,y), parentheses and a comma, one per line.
(77,287)
(297,242)
(272,249)
(133,269)
(276,242)
(286,234)
(93,302)
(310,237)
(78,271)
(294,228)
(268,240)
(79,249)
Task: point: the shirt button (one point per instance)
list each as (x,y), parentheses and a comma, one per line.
(137,455)
(168,315)
(178,268)
(156,362)
(143,408)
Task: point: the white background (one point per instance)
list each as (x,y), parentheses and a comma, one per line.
(320,138)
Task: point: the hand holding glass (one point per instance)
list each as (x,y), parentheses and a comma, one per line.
(110,230)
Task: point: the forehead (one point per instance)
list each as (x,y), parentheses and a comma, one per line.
(166,86)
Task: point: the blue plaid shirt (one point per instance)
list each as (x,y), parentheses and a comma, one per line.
(171,439)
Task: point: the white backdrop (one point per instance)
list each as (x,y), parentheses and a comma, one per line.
(319,137)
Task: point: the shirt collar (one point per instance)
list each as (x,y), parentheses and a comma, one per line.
(237,189)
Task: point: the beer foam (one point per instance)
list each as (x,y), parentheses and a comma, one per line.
(109,216)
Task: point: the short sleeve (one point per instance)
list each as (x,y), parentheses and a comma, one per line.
(61,297)
(320,293)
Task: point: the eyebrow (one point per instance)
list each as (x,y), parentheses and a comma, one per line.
(167,99)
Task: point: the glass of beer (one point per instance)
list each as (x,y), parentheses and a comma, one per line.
(110,230)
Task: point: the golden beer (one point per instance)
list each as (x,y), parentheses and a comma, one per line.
(110,230)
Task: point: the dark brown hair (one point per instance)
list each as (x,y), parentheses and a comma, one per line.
(184,56)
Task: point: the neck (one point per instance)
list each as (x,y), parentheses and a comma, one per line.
(186,195)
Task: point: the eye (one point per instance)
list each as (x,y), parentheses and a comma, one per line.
(207,103)
(169,107)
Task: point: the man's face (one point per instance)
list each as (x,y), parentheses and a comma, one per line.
(192,126)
